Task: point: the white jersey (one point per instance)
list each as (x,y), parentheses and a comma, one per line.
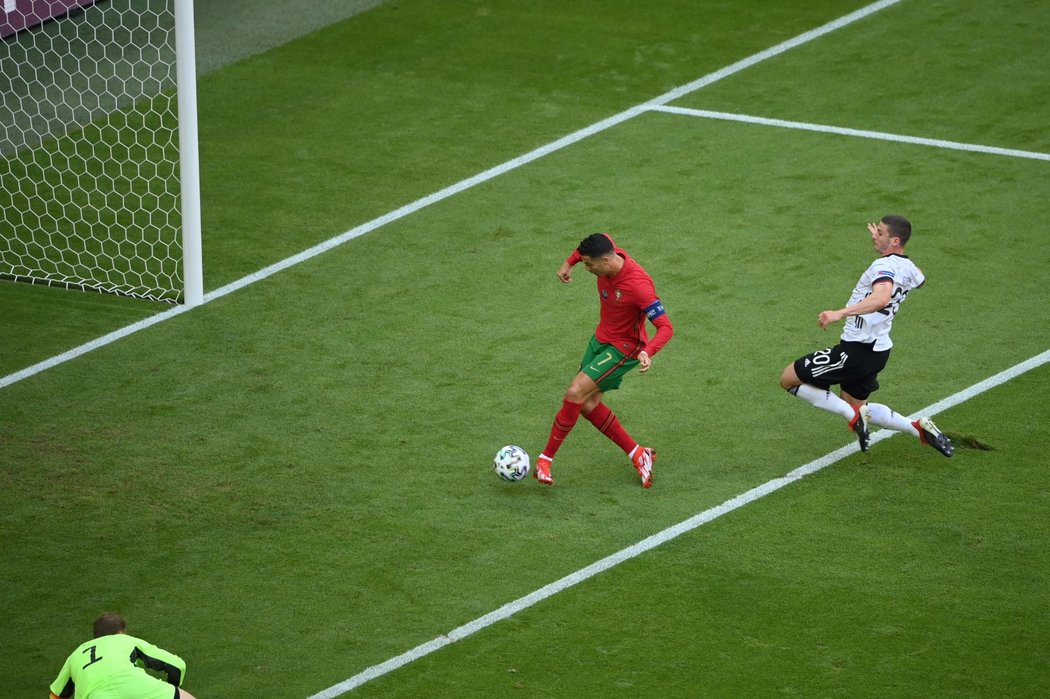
(875,326)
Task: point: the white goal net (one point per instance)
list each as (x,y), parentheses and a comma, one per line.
(90,162)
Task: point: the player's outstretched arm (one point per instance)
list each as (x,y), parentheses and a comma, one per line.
(826,318)
(876,300)
(565,272)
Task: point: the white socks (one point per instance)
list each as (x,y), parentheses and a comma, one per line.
(878,414)
(883,416)
(825,400)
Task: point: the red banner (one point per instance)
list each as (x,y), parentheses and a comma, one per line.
(17,15)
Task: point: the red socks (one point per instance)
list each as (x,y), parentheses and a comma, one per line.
(608,424)
(601,417)
(564,421)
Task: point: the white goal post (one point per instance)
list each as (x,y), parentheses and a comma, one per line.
(98,147)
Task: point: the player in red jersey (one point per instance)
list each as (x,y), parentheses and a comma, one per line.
(627,299)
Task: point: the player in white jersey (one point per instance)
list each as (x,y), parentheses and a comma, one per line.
(864,347)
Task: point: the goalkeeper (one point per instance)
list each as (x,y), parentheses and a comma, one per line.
(111,665)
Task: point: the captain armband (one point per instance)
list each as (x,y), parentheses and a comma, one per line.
(654,310)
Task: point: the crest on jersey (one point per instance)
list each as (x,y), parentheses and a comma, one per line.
(619,294)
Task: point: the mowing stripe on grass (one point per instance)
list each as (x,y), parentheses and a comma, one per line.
(455,189)
(861,133)
(663,537)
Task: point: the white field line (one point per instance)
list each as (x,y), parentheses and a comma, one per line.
(861,133)
(455,189)
(662,537)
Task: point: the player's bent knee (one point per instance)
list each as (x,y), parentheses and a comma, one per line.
(574,396)
(183,694)
(591,403)
(581,389)
(788,378)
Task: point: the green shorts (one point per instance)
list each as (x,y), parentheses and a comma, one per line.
(605,364)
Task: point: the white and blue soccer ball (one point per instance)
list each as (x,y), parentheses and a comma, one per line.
(511,463)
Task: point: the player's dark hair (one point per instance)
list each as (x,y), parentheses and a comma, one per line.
(108,624)
(899,227)
(595,245)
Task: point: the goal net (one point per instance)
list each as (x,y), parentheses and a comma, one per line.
(99,176)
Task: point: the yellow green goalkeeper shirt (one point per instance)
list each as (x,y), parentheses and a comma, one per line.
(112,667)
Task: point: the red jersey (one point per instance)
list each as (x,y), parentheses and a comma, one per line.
(626,301)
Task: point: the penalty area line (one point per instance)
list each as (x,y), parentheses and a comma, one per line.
(662,537)
(858,133)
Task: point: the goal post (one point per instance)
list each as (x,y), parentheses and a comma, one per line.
(98,147)
(189,163)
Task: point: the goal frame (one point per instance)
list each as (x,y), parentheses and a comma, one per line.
(45,245)
(189,158)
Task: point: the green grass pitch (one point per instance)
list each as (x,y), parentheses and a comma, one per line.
(292,483)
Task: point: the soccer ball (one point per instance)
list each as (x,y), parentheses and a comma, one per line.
(511,463)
